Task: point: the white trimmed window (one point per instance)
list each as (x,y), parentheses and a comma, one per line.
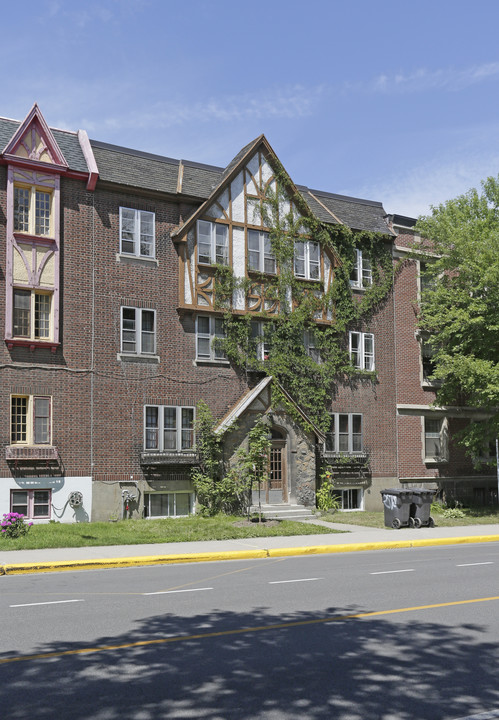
(213,243)
(345,434)
(174,504)
(350,499)
(33,504)
(168,428)
(138,331)
(209,329)
(32,314)
(30,420)
(307,259)
(435,439)
(361,346)
(309,340)
(260,255)
(362,274)
(137,233)
(261,338)
(32,211)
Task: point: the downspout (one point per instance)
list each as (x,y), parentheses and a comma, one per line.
(92,345)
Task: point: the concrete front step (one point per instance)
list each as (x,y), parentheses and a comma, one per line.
(283,512)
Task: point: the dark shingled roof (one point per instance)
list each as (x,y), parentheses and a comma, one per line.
(354,212)
(200,180)
(135,169)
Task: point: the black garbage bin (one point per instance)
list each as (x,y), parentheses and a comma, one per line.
(397,505)
(422,499)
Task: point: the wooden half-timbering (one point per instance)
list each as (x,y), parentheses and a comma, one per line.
(231,215)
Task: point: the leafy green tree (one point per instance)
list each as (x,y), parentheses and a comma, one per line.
(459,313)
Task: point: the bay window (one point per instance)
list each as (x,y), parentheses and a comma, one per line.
(32,211)
(32,314)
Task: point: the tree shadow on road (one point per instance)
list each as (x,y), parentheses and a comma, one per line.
(347,667)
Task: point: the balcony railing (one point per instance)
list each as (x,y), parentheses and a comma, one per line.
(15,452)
(153,457)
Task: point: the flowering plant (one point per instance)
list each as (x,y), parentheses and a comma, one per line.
(13,525)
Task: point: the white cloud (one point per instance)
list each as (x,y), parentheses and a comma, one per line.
(413,192)
(423,79)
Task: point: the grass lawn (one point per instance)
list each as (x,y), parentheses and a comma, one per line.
(136,532)
(472,516)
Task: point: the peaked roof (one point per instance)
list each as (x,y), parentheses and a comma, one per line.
(35,121)
(227,175)
(250,396)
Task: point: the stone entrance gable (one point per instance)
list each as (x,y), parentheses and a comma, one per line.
(294,441)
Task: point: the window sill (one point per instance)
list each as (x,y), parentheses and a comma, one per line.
(123,357)
(211,266)
(200,362)
(23,237)
(431,384)
(436,461)
(360,288)
(136,260)
(32,344)
(310,281)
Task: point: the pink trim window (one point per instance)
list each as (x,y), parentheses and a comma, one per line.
(33,504)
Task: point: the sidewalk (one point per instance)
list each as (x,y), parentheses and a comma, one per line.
(352,538)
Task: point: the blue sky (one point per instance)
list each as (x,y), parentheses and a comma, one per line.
(390,101)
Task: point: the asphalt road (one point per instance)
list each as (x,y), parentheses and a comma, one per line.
(393,635)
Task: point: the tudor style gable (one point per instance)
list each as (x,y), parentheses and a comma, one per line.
(232,230)
(35,164)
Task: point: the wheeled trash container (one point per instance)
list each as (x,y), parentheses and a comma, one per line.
(421,507)
(397,505)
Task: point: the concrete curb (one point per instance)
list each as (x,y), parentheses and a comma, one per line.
(64,565)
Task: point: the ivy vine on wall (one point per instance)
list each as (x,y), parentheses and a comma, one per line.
(310,379)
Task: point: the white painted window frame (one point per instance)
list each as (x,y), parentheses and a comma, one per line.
(138,332)
(362,358)
(334,436)
(139,215)
(215,331)
(214,256)
(175,493)
(362,274)
(306,259)
(159,429)
(263,252)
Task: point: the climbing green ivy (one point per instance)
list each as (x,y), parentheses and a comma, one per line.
(311,378)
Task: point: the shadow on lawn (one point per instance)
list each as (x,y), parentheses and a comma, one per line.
(361,668)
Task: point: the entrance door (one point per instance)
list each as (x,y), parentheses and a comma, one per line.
(277,486)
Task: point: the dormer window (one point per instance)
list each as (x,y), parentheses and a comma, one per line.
(32,211)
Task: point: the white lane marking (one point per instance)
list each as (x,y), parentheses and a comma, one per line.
(170,592)
(281,582)
(389,572)
(51,602)
(489,562)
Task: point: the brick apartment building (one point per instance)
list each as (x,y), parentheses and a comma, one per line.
(109,315)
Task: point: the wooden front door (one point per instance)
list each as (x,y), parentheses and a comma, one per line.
(276,490)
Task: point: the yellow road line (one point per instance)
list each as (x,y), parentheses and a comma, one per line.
(242,631)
